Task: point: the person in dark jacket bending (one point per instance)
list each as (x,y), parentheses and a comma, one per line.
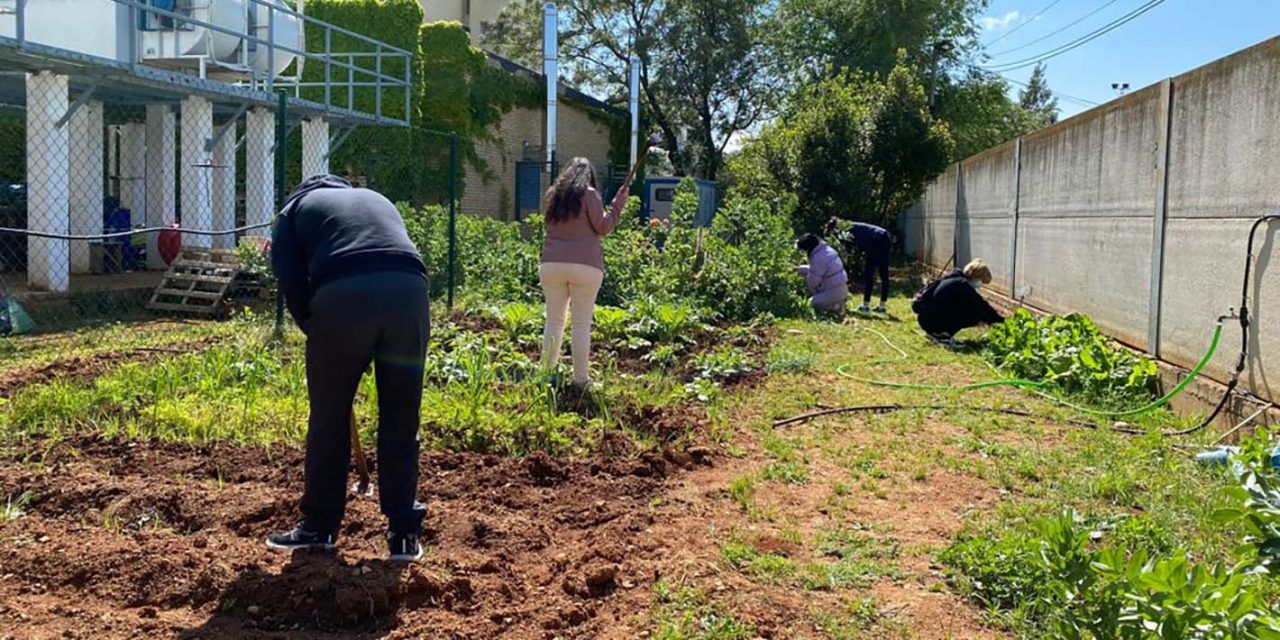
(875,245)
(953,303)
(356,285)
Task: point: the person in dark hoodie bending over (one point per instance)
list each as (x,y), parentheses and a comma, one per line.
(876,245)
(952,303)
(357,287)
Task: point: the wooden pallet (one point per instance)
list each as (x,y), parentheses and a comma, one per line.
(196,282)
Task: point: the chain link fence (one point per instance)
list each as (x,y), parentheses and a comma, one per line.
(99,201)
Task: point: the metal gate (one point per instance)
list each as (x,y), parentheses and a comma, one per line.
(528,188)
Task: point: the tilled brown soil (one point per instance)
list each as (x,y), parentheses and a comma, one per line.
(132,540)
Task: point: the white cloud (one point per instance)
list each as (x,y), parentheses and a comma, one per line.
(992,23)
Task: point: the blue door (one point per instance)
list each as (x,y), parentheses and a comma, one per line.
(528,188)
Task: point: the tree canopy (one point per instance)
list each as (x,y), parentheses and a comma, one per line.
(874,97)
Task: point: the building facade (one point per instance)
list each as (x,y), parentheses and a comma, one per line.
(477,16)
(520,141)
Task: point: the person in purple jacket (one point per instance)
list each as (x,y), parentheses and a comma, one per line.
(828,283)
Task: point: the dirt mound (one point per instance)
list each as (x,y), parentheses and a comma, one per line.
(156,540)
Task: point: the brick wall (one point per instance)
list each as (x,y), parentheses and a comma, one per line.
(494,194)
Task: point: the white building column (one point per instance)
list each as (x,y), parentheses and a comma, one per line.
(224,187)
(86,180)
(132,171)
(197,176)
(315,147)
(160,184)
(48,200)
(260,168)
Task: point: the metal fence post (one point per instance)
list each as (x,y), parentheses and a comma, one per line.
(1013,234)
(1158,221)
(282,130)
(453,215)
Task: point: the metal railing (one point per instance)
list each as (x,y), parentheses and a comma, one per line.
(365,69)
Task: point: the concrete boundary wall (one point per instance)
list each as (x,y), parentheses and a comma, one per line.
(1136,212)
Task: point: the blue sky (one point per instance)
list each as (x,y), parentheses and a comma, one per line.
(1174,36)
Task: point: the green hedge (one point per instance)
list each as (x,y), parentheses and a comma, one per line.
(453,89)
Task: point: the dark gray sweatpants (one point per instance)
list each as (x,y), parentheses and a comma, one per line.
(380,318)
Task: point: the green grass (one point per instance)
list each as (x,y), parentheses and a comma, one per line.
(846,558)
(853,622)
(15,506)
(1142,492)
(686,613)
(28,351)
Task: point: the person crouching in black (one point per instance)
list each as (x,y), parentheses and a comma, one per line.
(952,303)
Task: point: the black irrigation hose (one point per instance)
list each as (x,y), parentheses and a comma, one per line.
(1244,331)
(886,408)
(122,234)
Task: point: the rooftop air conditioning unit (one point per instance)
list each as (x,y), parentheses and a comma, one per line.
(172,41)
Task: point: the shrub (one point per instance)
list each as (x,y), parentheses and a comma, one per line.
(746,272)
(855,146)
(493,258)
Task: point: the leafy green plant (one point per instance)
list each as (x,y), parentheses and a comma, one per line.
(664,356)
(666,322)
(1259,498)
(724,363)
(255,258)
(611,325)
(521,321)
(1054,579)
(1070,353)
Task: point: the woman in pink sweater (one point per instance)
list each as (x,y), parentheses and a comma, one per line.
(573,261)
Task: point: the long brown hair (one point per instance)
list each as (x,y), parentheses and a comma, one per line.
(564,199)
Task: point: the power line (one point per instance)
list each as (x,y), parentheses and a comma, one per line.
(1025,23)
(1057,94)
(1079,42)
(1056,31)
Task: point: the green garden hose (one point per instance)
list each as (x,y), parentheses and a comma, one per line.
(1027,384)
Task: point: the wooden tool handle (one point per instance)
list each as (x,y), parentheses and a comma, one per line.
(357,451)
(631,173)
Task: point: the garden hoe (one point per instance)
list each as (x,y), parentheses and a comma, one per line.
(654,141)
(363,487)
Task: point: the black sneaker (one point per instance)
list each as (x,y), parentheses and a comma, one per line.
(300,538)
(942,340)
(404,547)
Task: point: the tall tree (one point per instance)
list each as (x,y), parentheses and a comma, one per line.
(1038,99)
(980,113)
(718,76)
(703,75)
(854,146)
(908,146)
(818,38)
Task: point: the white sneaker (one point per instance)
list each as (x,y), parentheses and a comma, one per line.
(865,308)
(880,309)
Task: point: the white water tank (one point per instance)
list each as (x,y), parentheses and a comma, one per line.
(287,33)
(168,39)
